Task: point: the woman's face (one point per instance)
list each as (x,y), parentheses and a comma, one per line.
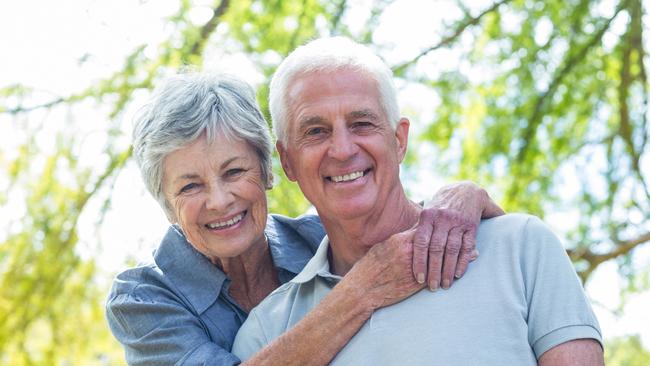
(217,195)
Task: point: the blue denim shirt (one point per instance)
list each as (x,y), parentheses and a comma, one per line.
(177,310)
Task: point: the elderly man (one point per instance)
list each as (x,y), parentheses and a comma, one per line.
(340,137)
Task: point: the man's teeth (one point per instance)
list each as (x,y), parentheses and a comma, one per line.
(233,221)
(347,177)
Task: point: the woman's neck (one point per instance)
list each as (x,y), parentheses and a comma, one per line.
(252,274)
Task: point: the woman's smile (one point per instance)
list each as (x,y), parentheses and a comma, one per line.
(218,196)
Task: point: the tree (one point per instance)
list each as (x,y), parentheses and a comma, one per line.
(563,102)
(626,351)
(557,121)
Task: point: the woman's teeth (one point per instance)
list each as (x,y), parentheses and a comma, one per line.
(233,221)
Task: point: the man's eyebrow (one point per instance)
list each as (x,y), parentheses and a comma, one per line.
(309,121)
(364,113)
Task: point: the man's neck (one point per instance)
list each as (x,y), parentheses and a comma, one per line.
(351,239)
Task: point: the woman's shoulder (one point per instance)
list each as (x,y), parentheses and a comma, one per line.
(305,220)
(305,229)
(144,282)
(148,281)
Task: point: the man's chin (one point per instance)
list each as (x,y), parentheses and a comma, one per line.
(349,210)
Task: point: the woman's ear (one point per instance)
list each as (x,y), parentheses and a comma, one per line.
(269,180)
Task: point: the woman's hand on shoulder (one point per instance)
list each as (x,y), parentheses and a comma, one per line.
(445,238)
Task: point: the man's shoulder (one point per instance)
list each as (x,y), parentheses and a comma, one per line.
(510,222)
(513,227)
(518,237)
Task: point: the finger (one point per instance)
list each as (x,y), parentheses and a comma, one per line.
(468,252)
(452,250)
(491,210)
(436,253)
(421,240)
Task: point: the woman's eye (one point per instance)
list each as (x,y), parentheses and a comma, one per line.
(188,187)
(234,172)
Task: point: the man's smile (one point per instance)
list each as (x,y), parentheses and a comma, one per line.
(348,176)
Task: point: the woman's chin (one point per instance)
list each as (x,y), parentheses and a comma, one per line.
(232,247)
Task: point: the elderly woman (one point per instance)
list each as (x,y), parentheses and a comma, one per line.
(204,151)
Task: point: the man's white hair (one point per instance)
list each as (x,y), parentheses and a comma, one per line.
(328,55)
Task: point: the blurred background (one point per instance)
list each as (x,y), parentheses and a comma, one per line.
(543,102)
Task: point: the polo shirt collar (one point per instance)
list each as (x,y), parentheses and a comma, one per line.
(195,276)
(319,265)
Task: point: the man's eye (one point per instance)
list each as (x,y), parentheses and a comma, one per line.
(315,131)
(362,124)
(188,187)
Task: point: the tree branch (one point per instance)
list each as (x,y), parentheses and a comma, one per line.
(571,61)
(450,38)
(636,43)
(622,248)
(294,37)
(336,19)
(50,104)
(209,27)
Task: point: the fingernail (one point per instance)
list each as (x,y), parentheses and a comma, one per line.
(445,284)
(458,274)
(420,278)
(433,287)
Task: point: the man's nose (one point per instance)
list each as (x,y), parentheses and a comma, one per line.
(220,197)
(342,146)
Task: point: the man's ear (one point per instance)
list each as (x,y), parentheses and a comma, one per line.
(402,137)
(284,159)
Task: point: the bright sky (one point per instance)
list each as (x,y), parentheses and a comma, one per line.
(61,47)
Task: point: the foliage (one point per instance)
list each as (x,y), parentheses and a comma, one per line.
(562,102)
(550,94)
(626,351)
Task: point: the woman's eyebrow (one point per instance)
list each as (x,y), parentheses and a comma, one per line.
(187,176)
(227,162)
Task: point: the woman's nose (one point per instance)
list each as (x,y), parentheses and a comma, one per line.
(219,198)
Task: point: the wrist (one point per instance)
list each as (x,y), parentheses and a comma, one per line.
(357,295)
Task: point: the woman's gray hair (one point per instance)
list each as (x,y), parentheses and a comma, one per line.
(328,55)
(189,105)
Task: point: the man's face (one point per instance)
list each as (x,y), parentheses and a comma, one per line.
(340,147)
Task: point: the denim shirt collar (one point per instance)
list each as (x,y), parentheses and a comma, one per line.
(286,250)
(195,276)
(201,282)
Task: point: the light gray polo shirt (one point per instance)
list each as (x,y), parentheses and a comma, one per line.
(520,298)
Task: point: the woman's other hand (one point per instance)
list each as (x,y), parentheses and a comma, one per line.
(445,237)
